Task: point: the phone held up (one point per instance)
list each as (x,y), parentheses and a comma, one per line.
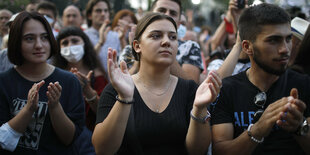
(241,4)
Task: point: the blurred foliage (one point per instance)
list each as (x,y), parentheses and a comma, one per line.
(14,5)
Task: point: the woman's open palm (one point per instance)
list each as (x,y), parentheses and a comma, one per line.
(119,76)
(208,90)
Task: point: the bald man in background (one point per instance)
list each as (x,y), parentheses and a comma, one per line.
(72,16)
(5,15)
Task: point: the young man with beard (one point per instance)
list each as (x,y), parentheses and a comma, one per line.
(269,113)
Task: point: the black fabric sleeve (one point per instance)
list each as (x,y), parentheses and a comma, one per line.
(106,102)
(221,110)
(307,97)
(192,87)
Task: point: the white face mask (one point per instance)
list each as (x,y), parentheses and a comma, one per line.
(181,31)
(73,53)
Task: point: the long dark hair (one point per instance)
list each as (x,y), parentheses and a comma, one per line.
(90,57)
(302,63)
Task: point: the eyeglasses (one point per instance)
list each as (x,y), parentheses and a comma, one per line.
(259,101)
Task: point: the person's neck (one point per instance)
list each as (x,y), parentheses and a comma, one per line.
(260,78)
(96,27)
(35,72)
(154,76)
(3,32)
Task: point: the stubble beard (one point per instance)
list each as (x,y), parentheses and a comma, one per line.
(267,68)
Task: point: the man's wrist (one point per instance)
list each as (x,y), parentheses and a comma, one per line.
(253,136)
(303,128)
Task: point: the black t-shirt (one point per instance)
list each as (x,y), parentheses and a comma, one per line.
(235,105)
(156,133)
(40,137)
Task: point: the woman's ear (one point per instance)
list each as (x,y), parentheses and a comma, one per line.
(247,47)
(136,46)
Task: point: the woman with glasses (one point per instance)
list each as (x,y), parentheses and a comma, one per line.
(41,106)
(153,111)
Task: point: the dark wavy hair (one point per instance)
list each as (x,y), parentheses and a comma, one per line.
(144,22)
(90,57)
(16,32)
(302,63)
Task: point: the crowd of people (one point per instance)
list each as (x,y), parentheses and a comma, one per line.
(148,83)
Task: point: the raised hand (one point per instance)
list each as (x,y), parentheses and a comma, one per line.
(292,115)
(83,79)
(120,77)
(103,32)
(53,94)
(33,96)
(131,34)
(208,90)
(122,28)
(234,10)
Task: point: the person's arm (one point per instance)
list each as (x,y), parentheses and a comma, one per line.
(103,32)
(199,135)
(292,117)
(187,71)
(18,124)
(218,36)
(122,28)
(224,143)
(90,95)
(231,60)
(232,17)
(63,126)
(108,135)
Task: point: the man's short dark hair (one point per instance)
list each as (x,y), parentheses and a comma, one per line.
(177,1)
(253,18)
(16,32)
(48,6)
(89,8)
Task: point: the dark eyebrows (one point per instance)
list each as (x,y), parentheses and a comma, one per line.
(32,34)
(173,12)
(158,31)
(279,36)
(162,9)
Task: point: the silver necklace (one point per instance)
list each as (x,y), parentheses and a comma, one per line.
(158,94)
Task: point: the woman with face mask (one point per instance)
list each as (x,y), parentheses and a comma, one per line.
(78,56)
(153,111)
